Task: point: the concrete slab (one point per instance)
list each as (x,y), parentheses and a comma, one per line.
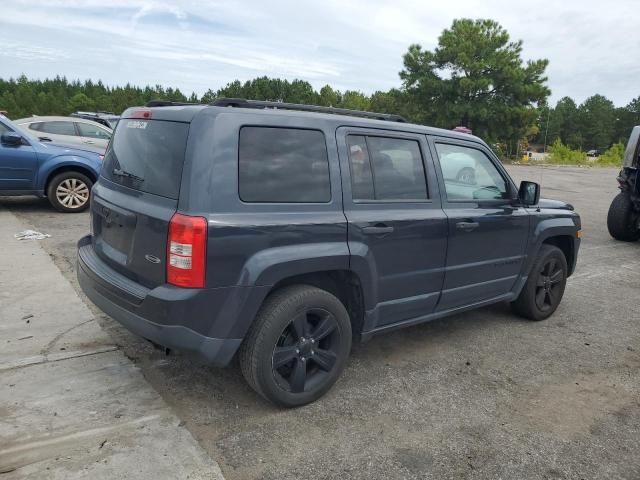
(71,404)
(41,314)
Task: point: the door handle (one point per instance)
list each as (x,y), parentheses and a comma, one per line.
(91,142)
(377,230)
(467,226)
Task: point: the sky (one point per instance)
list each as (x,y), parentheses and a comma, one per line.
(592,46)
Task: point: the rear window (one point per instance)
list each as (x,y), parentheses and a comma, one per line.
(147,155)
(283,165)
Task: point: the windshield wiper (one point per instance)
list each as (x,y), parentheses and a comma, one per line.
(125,174)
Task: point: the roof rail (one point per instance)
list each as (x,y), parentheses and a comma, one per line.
(167,103)
(243,103)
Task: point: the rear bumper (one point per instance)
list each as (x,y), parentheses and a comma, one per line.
(209,322)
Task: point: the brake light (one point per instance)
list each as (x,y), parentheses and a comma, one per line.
(187,251)
(142,113)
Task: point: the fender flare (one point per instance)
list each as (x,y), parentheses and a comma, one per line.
(52,165)
(269,266)
(548,228)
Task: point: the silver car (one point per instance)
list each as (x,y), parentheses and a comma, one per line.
(68,130)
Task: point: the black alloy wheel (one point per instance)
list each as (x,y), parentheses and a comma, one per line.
(545,285)
(298,345)
(549,287)
(306,351)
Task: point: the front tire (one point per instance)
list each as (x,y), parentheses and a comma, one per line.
(545,286)
(297,346)
(69,192)
(620,219)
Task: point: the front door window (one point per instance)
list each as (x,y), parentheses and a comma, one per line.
(469,174)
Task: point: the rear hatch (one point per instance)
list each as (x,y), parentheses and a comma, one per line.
(137,195)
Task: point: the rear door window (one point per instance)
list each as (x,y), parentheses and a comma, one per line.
(283,165)
(58,128)
(147,155)
(92,131)
(384,168)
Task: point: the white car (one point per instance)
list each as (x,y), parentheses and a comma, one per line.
(70,131)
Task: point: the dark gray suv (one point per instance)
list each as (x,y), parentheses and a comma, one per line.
(281,232)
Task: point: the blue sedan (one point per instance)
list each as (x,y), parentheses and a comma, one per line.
(29,167)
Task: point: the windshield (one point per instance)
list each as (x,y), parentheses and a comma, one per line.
(12,126)
(147,155)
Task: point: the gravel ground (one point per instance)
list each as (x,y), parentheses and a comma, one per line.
(478,395)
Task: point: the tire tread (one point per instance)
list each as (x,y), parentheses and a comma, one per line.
(266,320)
(525,305)
(619,219)
(51,190)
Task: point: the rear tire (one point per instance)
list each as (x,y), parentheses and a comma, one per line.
(620,219)
(297,347)
(69,192)
(545,286)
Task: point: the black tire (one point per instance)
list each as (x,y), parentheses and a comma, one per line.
(620,219)
(69,192)
(545,286)
(467,175)
(274,339)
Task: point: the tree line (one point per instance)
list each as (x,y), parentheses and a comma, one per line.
(475,77)
(594,124)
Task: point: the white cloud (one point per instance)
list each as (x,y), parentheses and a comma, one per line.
(350,44)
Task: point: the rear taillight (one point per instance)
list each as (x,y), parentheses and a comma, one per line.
(187,251)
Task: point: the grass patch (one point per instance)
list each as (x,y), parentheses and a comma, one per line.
(561,154)
(612,157)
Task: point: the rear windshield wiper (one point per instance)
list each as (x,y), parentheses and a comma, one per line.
(125,174)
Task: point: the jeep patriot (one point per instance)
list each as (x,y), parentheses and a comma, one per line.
(280,233)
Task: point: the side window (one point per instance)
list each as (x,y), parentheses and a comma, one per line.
(92,131)
(386,169)
(283,165)
(58,128)
(35,126)
(469,174)
(361,175)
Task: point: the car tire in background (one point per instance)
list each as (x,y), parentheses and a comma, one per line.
(297,347)
(69,192)
(620,221)
(467,175)
(545,285)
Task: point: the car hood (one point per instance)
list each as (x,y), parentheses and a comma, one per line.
(554,204)
(59,148)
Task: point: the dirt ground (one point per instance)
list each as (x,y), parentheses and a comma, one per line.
(478,395)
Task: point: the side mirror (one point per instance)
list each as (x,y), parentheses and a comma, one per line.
(11,138)
(529,193)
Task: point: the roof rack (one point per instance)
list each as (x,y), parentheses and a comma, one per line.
(243,103)
(167,103)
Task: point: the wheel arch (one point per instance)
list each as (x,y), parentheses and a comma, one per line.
(343,284)
(566,244)
(69,168)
